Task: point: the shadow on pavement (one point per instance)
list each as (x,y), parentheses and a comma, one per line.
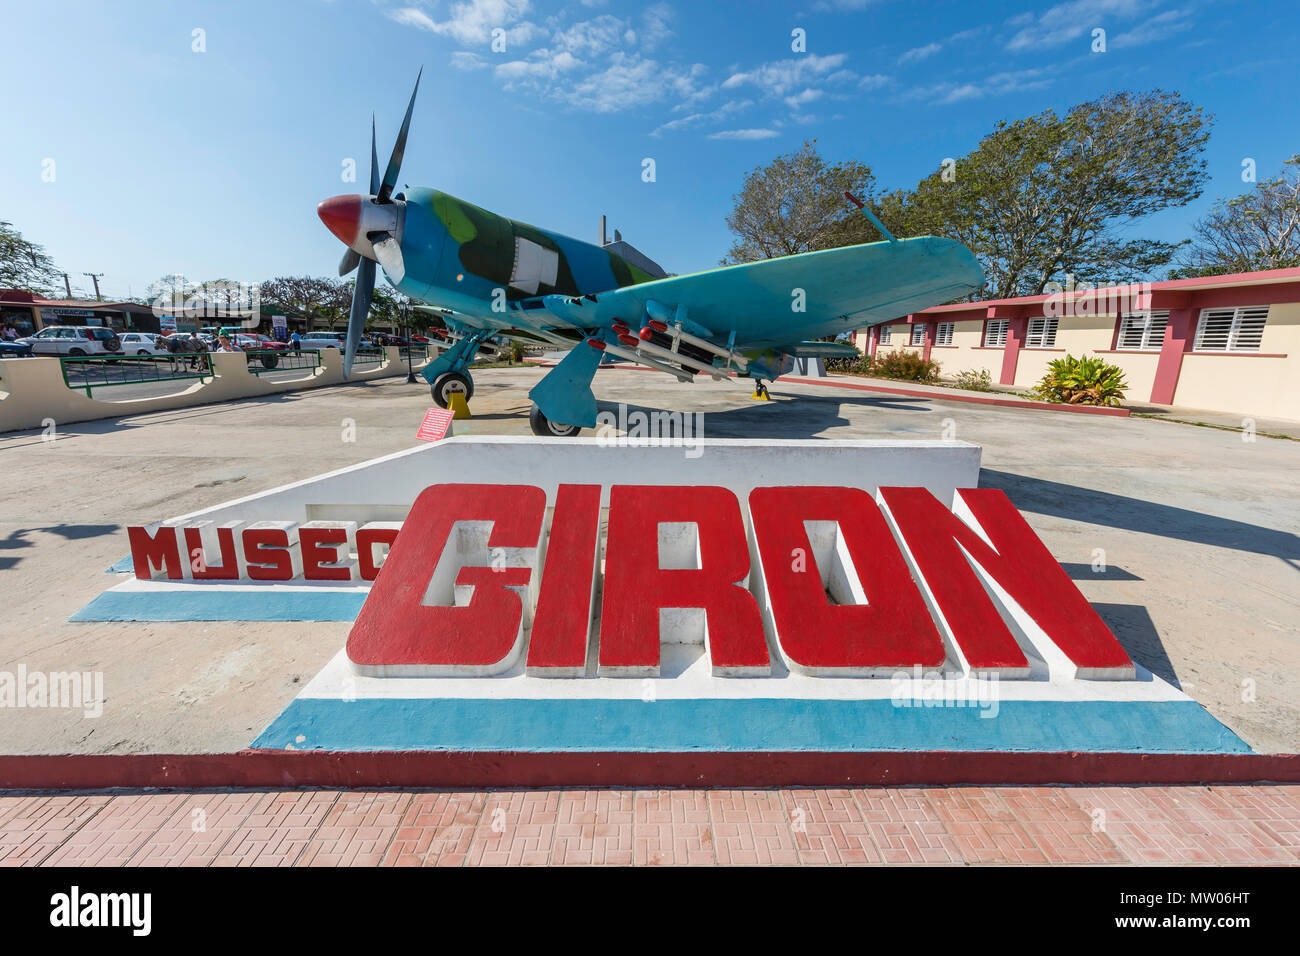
(1060,500)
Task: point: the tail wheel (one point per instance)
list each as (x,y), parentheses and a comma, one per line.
(546,428)
(448,385)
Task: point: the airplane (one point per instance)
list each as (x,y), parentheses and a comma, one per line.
(492,277)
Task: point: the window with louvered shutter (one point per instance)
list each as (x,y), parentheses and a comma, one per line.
(943,333)
(1042,333)
(918,334)
(1231,330)
(995,333)
(885,331)
(1142,331)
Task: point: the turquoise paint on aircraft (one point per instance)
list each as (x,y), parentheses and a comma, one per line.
(500,276)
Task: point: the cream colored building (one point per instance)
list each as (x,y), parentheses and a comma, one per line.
(1221,343)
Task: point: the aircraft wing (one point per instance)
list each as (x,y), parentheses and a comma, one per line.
(778,302)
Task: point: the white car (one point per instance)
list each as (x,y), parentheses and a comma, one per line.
(143,343)
(74,340)
(329,340)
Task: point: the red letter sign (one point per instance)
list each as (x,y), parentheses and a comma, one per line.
(557,646)
(151,553)
(891,630)
(1013,556)
(398,634)
(637,589)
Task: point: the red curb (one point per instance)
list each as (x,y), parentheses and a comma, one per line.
(255,769)
(973,399)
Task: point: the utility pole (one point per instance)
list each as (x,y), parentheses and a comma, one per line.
(94,277)
(66,287)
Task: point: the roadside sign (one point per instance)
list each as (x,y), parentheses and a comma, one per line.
(435,424)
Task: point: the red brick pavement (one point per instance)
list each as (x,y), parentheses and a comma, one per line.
(951,825)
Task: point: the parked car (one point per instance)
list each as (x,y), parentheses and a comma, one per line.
(15,349)
(143,343)
(253,342)
(74,340)
(329,340)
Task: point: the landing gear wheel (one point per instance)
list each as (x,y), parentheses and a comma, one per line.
(546,428)
(450,383)
(760,391)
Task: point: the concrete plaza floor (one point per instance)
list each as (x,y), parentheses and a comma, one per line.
(1184,538)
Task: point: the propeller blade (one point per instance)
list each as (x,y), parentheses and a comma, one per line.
(349,261)
(389,253)
(395,161)
(374,159)
(357,314)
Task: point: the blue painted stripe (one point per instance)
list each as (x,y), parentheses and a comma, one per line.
(223,605)
(744,725)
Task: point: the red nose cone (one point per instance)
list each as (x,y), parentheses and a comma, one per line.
(342,216)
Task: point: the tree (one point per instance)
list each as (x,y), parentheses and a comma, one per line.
(25,265)
(386,308)
(796,204)
(312,296)
(1050,195)
(1254,231)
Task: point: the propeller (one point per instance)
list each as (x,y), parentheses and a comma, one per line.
(349,261)
(387,249)
(389,254)
(399,148)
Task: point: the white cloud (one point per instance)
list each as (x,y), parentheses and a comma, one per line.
(781,77)
(842,5)
(920,53)
(541,64)
(462,60)
(655,25)
(697,119)
(873,81)
(630,81)
(1071,20)
(471,22)
(997,84)
(1160,27)
(592,37)
(800,99)
(744,134)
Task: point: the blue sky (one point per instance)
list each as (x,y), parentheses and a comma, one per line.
(211,163)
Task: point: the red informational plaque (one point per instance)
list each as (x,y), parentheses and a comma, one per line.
(435,424)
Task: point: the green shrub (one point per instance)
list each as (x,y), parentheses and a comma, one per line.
(1082,381)
(845,366)
(900,364)
(975,380)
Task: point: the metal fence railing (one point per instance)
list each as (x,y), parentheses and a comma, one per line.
(416,353)
(368,355)
(278,360)
(88,372)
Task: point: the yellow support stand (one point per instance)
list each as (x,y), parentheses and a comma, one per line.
(458,406)
(760,393)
